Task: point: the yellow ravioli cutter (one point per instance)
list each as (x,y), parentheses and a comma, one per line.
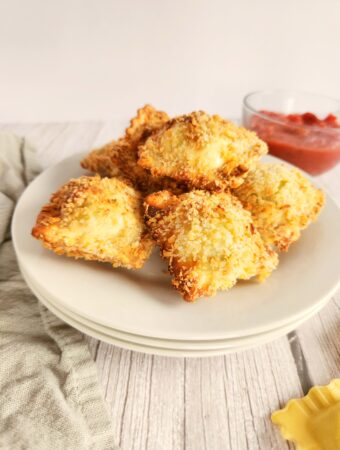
(312,422)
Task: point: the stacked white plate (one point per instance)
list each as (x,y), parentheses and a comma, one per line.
(139,310)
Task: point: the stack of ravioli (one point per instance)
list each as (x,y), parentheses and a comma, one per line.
(191,185)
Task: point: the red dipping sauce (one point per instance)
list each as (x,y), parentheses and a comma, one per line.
(302,139)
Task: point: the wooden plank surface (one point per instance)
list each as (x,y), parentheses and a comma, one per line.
(221,403)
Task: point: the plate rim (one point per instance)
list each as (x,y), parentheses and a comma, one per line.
(119,333)
(254,330)
(154,350)
(281,331)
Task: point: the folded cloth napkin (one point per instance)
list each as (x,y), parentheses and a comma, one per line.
(50,397)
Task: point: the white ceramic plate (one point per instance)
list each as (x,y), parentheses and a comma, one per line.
(107,335)
(190,345)
(143,302)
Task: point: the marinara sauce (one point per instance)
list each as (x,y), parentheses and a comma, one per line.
(302,139)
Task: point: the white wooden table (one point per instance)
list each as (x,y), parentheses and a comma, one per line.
(217,403)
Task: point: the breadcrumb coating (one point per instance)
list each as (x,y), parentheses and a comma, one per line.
(205,151)
(147,121)
(208,240)
(119,158)
(102,161)
(282,202)
(99,219)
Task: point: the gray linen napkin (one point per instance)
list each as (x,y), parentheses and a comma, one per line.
(50,398)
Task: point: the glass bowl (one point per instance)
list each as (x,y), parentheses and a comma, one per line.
(301,128)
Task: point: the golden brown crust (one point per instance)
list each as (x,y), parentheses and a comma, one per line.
(211,238)
(119,158)
(102,160)
(204,151)
(97,219)
(282,202)
(147,121)
(208,240)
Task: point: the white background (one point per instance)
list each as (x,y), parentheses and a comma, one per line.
(101,59)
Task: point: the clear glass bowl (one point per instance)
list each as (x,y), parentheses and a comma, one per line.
(315,147)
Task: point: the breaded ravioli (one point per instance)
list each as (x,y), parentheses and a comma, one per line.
(207,152)
(99,219)
(119,158)
(147,120)
(208,240)
(282,202)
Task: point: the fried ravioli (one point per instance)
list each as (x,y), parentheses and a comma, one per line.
(208,240)
(207,152)
(282,202)
(99,219)
(147,121)
(119,158)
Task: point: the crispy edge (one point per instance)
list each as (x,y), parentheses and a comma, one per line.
(147,121)
(160,203)
(116,160)
(184,280)
(101,161)
(109,159)
(50,215)
(120,158)
(282,242)
(196,136)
